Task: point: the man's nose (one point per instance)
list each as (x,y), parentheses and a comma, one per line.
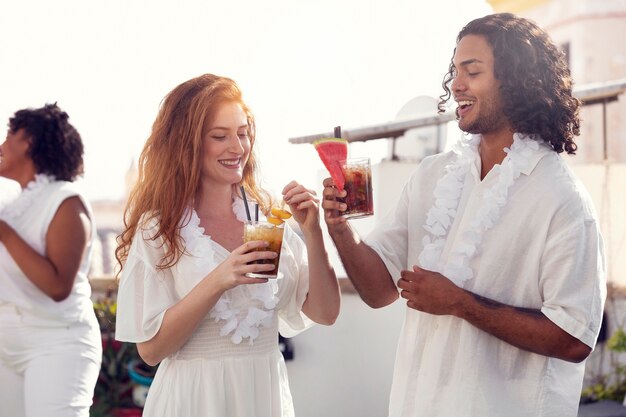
(458,85)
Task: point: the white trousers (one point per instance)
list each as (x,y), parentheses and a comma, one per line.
(47,371)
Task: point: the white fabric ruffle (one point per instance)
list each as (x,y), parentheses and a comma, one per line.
(27,198)
(447,193)
(241,318)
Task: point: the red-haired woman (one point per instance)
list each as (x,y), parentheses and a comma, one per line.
(184,296)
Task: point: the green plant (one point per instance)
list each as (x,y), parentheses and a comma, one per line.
(612,384)
(617,342)
(114,387)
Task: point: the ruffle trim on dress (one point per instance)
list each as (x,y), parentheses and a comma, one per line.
(241,320)
(447,194)
(27,198)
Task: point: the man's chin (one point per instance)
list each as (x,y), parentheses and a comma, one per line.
(469,128)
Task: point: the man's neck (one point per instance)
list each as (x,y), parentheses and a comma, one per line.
(492,150)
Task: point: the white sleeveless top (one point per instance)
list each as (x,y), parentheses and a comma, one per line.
(30,215)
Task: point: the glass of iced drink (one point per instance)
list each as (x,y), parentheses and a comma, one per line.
(358,175)
(273,234)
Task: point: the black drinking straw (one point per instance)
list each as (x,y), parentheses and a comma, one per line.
(256,212)
(245,203)
(337,131)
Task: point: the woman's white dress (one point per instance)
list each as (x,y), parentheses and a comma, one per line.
(231,366)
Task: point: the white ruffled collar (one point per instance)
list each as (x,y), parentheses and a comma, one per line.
(242,318)
(26,198)
(522,157)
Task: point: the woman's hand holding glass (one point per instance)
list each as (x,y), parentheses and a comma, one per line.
(232,272)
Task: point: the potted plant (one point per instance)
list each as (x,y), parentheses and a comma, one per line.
(142,376)
(611,384)
(113,395)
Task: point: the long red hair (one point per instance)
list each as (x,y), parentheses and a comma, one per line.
(170,163)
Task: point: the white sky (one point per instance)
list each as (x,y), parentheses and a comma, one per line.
(304,67)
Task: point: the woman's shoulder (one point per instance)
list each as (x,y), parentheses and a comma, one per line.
(148,225)
(62,190)
(42,197)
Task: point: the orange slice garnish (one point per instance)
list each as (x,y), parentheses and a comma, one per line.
(275,221)
(281,214)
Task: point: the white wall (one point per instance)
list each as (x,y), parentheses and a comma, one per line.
(345,370)
(607,187)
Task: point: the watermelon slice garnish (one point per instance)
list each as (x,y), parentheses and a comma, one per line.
(331,152)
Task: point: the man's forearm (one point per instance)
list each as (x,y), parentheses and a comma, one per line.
(525,328)
(364,267)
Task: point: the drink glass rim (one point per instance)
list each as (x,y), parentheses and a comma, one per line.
(263,222)
(355,160)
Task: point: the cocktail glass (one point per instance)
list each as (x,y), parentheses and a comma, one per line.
(358,175)
(273,234)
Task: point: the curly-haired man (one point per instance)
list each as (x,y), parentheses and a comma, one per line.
(495,245)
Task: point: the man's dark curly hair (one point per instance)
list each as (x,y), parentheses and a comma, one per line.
(55,145)
(536,85)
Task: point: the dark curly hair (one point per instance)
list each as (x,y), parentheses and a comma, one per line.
(535,81)
(55,145)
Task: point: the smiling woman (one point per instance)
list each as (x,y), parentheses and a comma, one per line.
(183,250)
(226,148)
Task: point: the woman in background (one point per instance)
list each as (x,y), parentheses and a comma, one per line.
(50,345)
(184,296)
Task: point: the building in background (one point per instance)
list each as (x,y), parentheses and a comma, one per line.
(109,217)
(592,34)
